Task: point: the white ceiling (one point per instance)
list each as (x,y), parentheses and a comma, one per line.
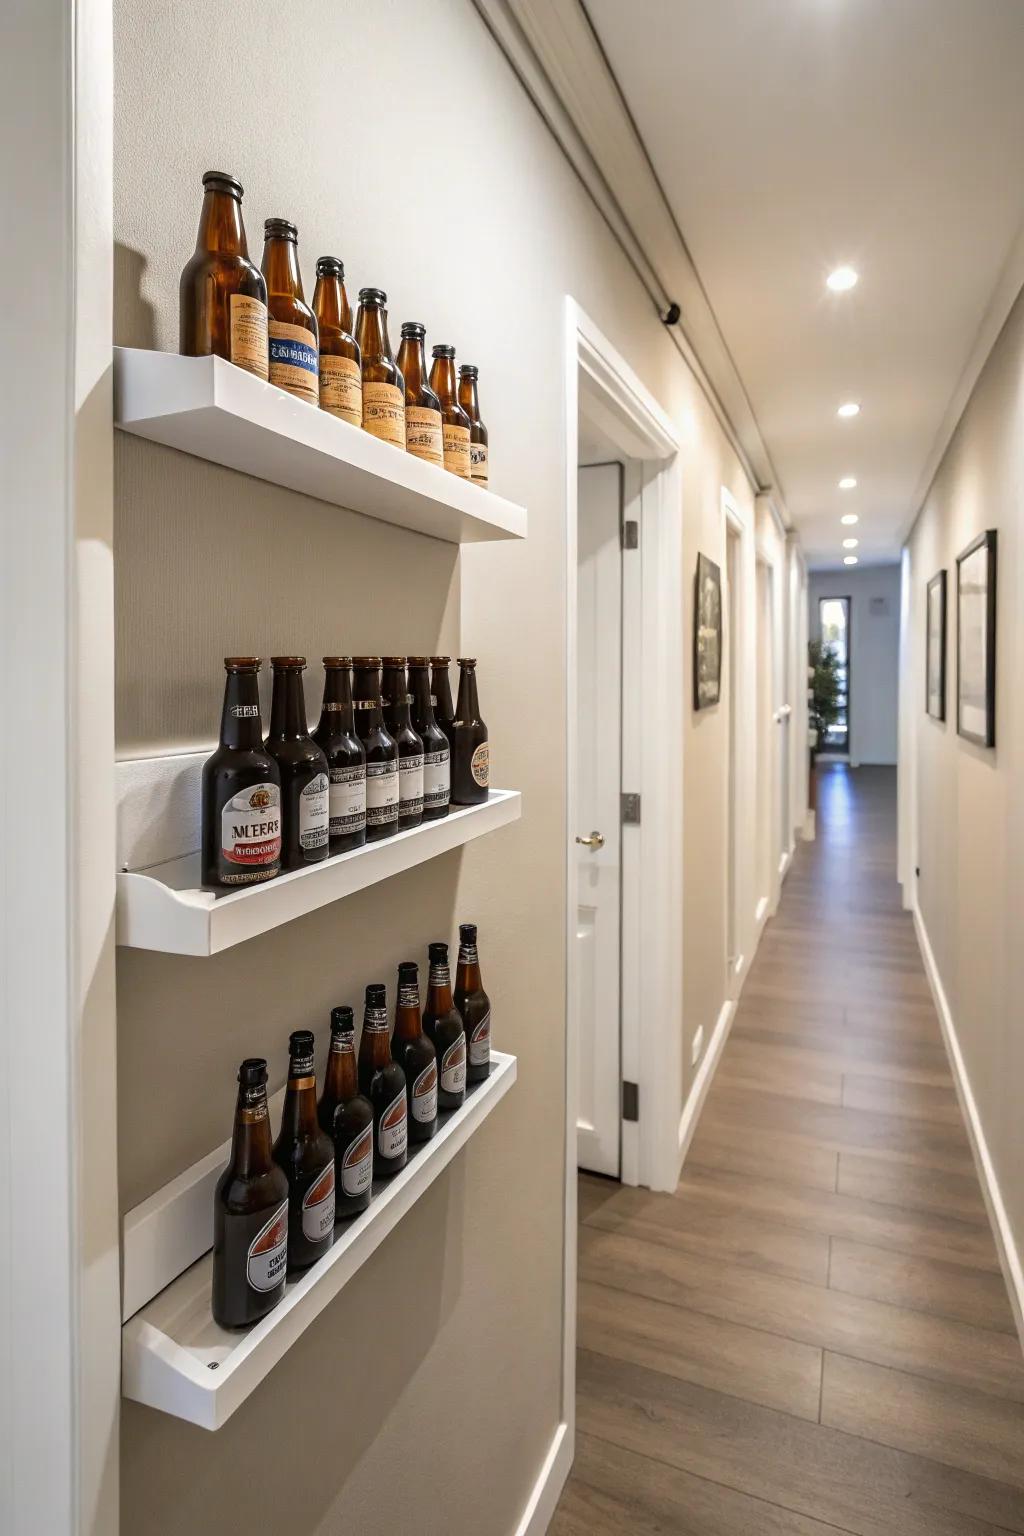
(793,136)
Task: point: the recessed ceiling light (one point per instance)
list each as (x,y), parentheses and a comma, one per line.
(842,279)
(849,559)
(849,408)
(850,543)
(849,518)
(848,483)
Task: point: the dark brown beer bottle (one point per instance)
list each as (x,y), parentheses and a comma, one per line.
(382,1081)
(383,385)
(395,694)
(471,759)
(250,1212)
(241,789)
(436,751)
(341,383)
(455,428)
(346,760)
(443,1027)
(380,748)
(469,399)
(441,695)
(294,348)
(422,407)
(474,1006)
(307,1156)
(415,1055)
(305,790)
(222,295)
(347,1117)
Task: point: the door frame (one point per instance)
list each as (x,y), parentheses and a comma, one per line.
(652,885)
(736,783)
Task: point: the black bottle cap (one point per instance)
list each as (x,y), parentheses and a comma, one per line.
(438,952)
(242,663)
(467,661)
(366,661)
(440,661)
(376,993)
(467,933)
(469,371)
(330,266)
(280,229)
(393,661)
(300,1042)
(253,1071)
(417,661)
(223,181)
(408,970)
(372,296)
(337,661)
(412,330)
(443,351)
(288,663)
(342,1019)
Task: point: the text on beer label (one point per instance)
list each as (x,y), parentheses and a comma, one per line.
(250,826)
(357,1165)
(453,1067)
(318,1206)
(267,1259)
(314,813)
(245,711)
(248,345)
(424,1095)
(393,1130)
(480,764)
(294,361)
(341,388)
(480,1042)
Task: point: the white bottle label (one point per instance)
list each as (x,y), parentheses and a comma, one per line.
(268,1252)
(381,793)
(250,827)
(347,800)
(436,778)
(314,813)
(410,784)
(424,1095)
(453,1067)
(393,1130)
(357,1165)
(480,1043)
(480,764)
(318,1207)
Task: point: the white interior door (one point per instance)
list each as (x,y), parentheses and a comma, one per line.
(599,611)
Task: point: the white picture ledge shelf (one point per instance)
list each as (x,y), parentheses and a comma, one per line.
(163,907)
(175,1358)
(209,408)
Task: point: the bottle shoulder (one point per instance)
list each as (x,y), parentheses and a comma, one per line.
(287,309)
(296,752)
(241,761)
(244,1196)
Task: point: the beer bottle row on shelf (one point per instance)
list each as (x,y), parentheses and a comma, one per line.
(258,319)
(390,752)
(277,1205)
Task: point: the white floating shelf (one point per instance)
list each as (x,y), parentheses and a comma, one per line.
(175,1358)
(164,907)
(209,408)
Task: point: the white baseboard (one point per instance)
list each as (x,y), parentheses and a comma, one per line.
(547,1490)
(702,1081)
(1009,1257)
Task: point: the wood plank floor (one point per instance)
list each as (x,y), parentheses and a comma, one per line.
(812,1334)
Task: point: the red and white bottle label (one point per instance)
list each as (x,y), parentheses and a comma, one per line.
(453,1067)
(318,1207)
(393,1130)
(268,1252)
(480,1043)
(424,1095)
(357,1165)
(250,826)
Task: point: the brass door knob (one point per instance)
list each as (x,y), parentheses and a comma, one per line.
(595,841)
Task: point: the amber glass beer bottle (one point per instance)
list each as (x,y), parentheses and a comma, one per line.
(436,752)
(305,788)
(241,788)
(422,407)
(441,695)
(395,694)
(346,759)
(250,1212)
(347,1117)
(469,399)
(294,348)
(443,1027)
(382,1081)
(222,295)
(474,1006)
(415,1055)
(383,385)
(455,429)
(471,759)
(341,385)
(380,748)
(307,1156)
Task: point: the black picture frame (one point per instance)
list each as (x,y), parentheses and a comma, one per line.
(976,640)
(935,647)
(707,634)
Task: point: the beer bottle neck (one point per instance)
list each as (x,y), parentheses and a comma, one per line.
(395,691)
(439,995)
(251,1148)
(469,970)
(366,696)
(281,267)
(340,1073)
(329,303)
(419,688)
(288,706)
(375,1042)
(412,364)
(220,224)
(468,398)
(298,1117)
(408,1025)
(442,690)
(240,724)
(442,380)
(373,339)
(336,715)
(469,704)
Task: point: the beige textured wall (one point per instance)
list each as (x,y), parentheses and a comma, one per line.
(395,135)
(970,810)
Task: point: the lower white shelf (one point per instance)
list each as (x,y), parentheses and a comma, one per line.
(174,1356)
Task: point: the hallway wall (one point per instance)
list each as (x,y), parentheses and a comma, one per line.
(968,834)
(874,592)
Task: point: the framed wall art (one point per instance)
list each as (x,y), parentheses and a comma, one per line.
(976,640)
(707,634)
(935,647)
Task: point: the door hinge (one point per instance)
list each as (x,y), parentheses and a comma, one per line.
(631,810)
(630,1101)
(630,534)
